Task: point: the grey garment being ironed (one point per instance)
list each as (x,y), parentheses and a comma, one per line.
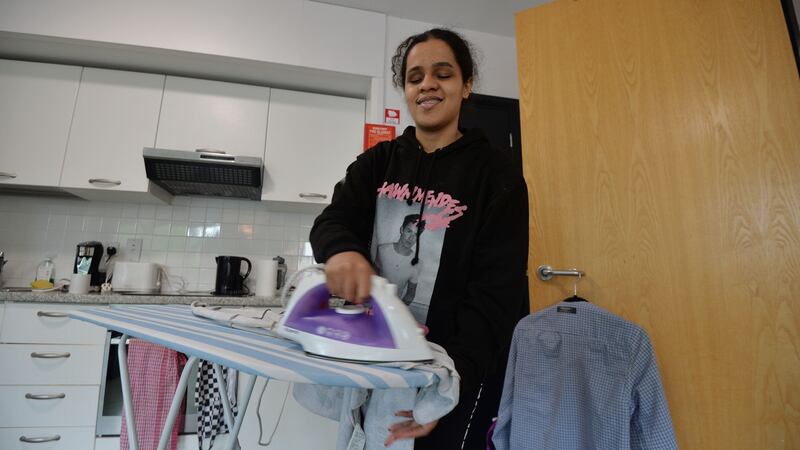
(380,405)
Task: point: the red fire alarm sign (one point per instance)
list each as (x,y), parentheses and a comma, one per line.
(391,116)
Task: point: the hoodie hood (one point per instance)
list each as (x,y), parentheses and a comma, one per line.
(469,138)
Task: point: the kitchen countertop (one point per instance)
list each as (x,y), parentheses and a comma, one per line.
(107,299)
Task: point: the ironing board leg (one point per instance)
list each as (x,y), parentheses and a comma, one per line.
(127,399)
(175,407)
(247,390)
(223,393)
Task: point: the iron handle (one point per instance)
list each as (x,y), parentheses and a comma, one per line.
(39,440)
(8,175)
(51,314)
(312,195)
(104,181)
(30,396)
(50,355)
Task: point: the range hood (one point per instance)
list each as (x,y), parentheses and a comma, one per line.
(204,172)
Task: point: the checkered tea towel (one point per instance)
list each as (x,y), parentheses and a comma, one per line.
(210,413)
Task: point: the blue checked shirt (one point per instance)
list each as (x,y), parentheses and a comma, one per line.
(581,378)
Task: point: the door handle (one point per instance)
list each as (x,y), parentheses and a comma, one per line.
(8,175)
(50,355)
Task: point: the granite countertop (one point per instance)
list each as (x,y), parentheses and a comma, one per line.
(108,299)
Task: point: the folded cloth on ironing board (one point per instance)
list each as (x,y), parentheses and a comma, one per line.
(380,405)
(154,375)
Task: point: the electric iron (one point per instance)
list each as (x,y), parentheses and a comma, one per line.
(380,330)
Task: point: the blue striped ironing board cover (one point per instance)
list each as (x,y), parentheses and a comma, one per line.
(175,327)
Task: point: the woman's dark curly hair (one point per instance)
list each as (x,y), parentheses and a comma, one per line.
(460,47)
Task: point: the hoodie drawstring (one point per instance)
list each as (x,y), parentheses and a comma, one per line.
(416,173)
(420,222)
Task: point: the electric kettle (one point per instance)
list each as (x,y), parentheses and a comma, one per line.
(230,280)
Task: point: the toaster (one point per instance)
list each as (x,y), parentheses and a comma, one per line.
(136,277)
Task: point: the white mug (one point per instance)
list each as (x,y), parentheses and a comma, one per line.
(79,283)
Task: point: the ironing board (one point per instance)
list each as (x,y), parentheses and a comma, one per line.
(255,354)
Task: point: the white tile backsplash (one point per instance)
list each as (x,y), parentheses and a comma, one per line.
(184,237)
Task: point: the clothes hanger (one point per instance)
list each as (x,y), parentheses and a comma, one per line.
(575,297)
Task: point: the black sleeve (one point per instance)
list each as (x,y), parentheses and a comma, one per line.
(497,290)
(346,224)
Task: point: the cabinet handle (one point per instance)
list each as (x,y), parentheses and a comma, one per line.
(51,314)
(312,195)
(39,440)
(210,150)
(50,355)
(8,175)
(104,181)
(30,396)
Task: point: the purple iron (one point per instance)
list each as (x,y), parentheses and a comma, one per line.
(380,330)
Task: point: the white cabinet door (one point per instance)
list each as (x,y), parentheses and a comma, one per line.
(116,116)
(43,323)
(36,103)
(311,139)
(48,406)
(49,438)
(51,364)
(204,114)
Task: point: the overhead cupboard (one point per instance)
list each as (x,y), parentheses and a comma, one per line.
(82,130)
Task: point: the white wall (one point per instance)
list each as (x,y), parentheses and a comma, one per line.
(495,55)
(294,32)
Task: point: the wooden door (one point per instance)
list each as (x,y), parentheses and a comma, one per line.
(661,147)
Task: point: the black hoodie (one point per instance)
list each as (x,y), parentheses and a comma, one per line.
(471,248)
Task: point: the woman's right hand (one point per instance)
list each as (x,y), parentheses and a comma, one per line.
(349,276)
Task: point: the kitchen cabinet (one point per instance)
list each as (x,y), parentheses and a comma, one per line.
(205,114)
(55,438)
(116,116)
(50,381)
(311,139)
(36,103)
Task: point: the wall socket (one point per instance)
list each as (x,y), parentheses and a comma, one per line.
(133,250)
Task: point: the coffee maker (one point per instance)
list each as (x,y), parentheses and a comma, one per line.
(88,256)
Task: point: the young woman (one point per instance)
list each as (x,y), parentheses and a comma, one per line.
(470,263)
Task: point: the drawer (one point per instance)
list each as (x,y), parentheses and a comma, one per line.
(41,323)
(77,408)
(68,438)
(51,364)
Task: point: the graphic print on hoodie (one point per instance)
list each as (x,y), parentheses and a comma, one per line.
(395,244)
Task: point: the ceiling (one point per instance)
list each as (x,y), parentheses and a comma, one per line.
(488,16)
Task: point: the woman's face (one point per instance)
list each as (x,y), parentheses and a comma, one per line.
(434,86)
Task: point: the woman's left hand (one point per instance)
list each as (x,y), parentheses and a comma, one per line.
(408,429)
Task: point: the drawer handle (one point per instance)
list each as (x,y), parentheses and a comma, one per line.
(312,195)
(30,396)
(39,440)
(8,175)
(211,150)
(104,181)
(51,314)
(50,355)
